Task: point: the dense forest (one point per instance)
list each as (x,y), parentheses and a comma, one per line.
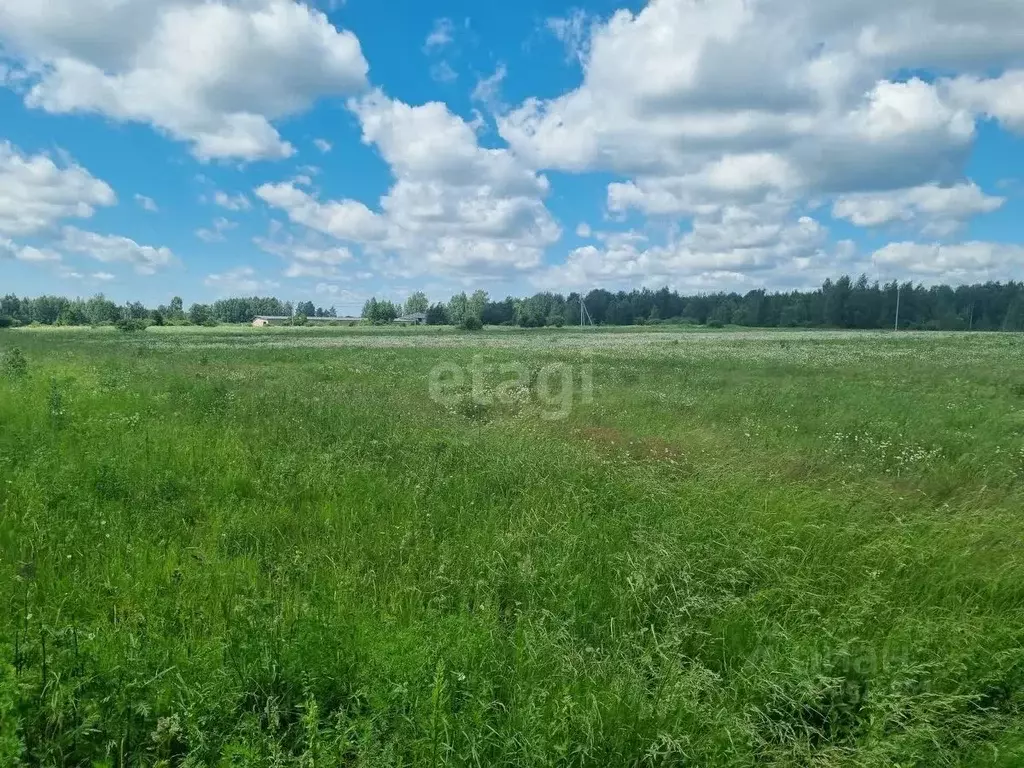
(843,303)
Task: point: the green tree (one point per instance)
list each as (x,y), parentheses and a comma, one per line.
(417,302)
(370,309)
(1014,320)
(476,303)
(176,310)
(200,314)
(721,315)
(437,314)
(99,309)
(457,306)
(379,311)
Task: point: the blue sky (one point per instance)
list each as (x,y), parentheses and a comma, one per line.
(329,152)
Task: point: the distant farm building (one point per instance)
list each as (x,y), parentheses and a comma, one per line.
(416,318)
(261,321)
(264,320)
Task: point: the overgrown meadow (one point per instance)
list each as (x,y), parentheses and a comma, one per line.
(289,547)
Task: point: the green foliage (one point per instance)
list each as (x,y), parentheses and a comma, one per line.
(457,307)
(843,303)
(243,310)
(299,319)
(471,323)
(176,309)
(437,314)
(768,549)
(417,302)
(56,405)
(126,325)
(721,316)
(15,365)
(11,746)
(200,314)
(379,312)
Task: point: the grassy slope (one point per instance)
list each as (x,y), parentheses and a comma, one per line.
(749,549)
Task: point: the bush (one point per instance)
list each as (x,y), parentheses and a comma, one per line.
(6,321)
(471,323)
(131,326)
(14,363)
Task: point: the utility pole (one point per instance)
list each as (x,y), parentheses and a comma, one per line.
(897,326)
(585,317)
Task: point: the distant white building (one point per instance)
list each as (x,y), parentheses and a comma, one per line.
(261,321)
(416,318)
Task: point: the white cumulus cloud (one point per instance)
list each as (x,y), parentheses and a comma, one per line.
(238,202)
(239,281)
(934,209)
(36,192)
(308,259)
(455,206)
(1001,97)
(146,259)
(709,108)
(214,73)
(12,250)
(957,263)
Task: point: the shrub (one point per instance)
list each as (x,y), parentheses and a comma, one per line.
(131,326)
(471,323)
(6,321)
(14,363)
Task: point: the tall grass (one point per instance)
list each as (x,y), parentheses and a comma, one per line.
(225,548)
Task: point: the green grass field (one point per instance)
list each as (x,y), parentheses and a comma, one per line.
(315,547)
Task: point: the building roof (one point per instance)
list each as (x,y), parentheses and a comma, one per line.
(309,319)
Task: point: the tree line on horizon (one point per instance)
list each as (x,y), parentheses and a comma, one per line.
(842,303)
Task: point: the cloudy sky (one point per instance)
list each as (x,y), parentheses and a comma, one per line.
(337,149)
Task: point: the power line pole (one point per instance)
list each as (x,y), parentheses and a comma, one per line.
(897,326)
(585,318)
